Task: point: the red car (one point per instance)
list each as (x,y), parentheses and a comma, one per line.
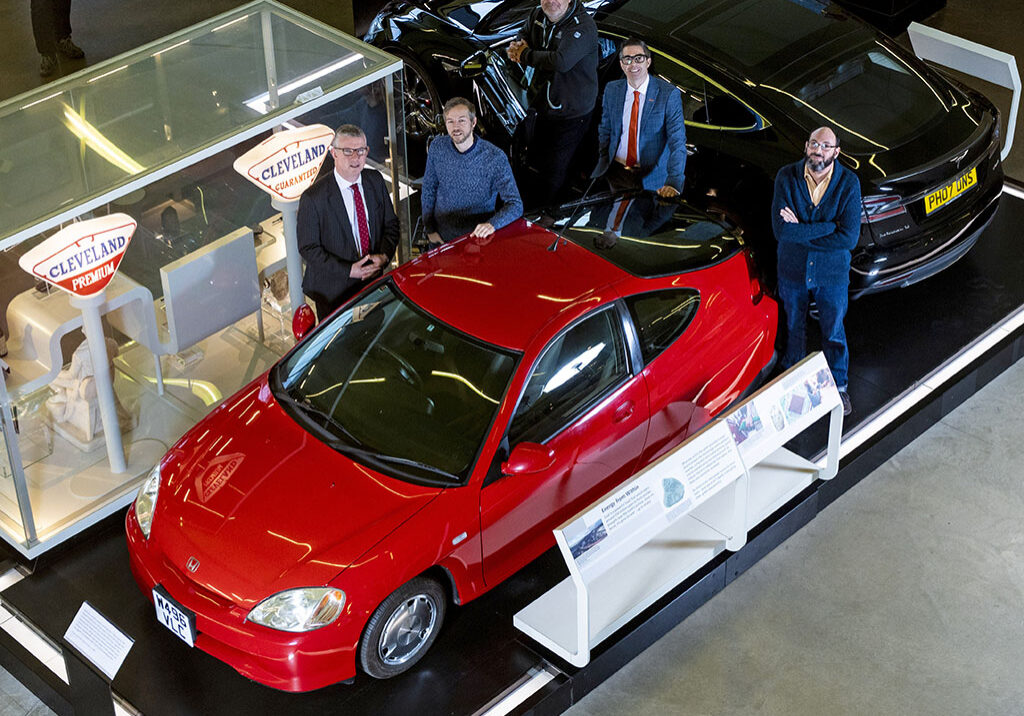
(418,447)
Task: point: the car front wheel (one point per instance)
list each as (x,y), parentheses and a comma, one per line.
(402,628)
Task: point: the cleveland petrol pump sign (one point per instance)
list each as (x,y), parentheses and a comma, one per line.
(286,163)
(82,258)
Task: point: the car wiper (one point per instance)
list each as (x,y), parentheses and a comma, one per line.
(308,407)
(372,456)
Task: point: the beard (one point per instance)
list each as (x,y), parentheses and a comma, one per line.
(818,164)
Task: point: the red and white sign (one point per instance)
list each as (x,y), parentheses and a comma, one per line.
(82,258)
(286,163)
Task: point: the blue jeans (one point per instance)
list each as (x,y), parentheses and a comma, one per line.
(832,302)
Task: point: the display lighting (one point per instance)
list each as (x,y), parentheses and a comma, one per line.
(261,103)
(99,143)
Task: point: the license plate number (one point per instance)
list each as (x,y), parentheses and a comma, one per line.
(951,191)
(175,617)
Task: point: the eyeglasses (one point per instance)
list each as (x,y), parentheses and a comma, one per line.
(348,151)
(630,59)
(815,144)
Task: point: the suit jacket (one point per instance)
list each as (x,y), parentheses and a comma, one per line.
(661,140)
(325,235)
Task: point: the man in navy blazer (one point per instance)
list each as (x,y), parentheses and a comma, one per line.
(346,236)
(653,155)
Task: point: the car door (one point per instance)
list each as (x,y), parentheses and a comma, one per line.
(585,406)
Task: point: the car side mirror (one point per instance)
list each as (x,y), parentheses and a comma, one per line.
(303,321)
(473,66)
(527,459)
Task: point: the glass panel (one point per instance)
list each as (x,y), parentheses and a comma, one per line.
(576,370)
(86,135)
(10,514)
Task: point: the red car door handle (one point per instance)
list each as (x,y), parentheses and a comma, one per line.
(624,411)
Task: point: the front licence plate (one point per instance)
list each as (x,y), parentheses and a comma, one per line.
(174,616)
(946,194)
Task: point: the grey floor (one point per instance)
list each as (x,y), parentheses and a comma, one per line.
(905,596)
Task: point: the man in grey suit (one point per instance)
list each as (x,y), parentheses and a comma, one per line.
(347,227)
(641,137)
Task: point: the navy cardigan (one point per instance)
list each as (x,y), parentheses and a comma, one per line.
(816,251)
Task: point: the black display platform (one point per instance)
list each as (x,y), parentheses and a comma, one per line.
(896,340)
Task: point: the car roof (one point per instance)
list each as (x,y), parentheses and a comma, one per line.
(759,39)
(506,290)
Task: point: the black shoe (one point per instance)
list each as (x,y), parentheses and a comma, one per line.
(69,49)
(847,404)
(47,65)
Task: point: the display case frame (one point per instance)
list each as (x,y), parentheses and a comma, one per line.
(303,66)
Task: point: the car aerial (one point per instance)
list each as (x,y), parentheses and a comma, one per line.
(419,445)
(757,77)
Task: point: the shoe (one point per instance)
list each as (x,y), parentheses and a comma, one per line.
(847,403)
(69,49)
(47,65)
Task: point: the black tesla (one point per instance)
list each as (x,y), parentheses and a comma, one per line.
(757,76)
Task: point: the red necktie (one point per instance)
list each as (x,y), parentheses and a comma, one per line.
(623,205)
(364,228)
(634,120)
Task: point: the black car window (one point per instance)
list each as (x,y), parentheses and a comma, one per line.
(704,102)
(507,20)
(396,388)
(646,236)
(661,317)
(576,370)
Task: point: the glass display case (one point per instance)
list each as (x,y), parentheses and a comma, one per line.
(199,306)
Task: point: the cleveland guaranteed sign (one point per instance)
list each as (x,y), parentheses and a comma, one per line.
(82,257)
(285,164)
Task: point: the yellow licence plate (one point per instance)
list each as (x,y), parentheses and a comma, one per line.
(949,192)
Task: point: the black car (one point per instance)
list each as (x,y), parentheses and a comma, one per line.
(757,76)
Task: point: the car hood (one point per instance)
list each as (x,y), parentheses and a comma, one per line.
(254,504)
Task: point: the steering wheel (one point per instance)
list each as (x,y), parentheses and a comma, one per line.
(405,369)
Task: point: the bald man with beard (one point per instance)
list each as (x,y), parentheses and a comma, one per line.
(816,214)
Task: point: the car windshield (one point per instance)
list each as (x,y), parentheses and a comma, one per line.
(875,100)
(394,388)
(645,235)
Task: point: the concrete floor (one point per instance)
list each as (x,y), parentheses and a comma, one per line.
(903,597)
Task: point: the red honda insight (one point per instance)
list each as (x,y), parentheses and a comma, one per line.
(421,443)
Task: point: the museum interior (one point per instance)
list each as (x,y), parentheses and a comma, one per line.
(886,577)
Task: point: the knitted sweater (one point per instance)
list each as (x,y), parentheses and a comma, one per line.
(460,190)
(816,251)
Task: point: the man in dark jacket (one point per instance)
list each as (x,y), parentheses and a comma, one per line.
(816,214)
(347,227)
(558,45)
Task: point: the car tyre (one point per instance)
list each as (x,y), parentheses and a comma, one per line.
(403,628)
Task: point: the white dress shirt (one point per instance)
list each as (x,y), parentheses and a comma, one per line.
(350,206)
(627,113)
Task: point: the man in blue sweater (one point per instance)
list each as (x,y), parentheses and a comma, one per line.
(465,176)
(816,214)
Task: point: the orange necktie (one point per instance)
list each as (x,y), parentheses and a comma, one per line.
(634,120)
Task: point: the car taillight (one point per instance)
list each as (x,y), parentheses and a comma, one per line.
(881,206)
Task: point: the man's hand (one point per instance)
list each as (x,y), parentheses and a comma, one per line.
(788,216)
(482,230)
(380,261)
(668,191)
(363,268)
(515,49)
(434,238)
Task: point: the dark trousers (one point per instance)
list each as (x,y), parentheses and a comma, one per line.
(832,302)
(551,152)
(51,21)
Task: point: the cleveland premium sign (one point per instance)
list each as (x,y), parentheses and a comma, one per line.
(82,257)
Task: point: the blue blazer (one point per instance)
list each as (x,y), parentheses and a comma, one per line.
(661,141)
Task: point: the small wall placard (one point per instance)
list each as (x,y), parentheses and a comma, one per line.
(97,639)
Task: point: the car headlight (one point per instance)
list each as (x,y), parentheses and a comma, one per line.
(145,503)
(299,610)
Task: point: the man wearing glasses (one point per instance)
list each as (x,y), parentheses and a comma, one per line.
(347,227)
(816,217)
(642,137)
